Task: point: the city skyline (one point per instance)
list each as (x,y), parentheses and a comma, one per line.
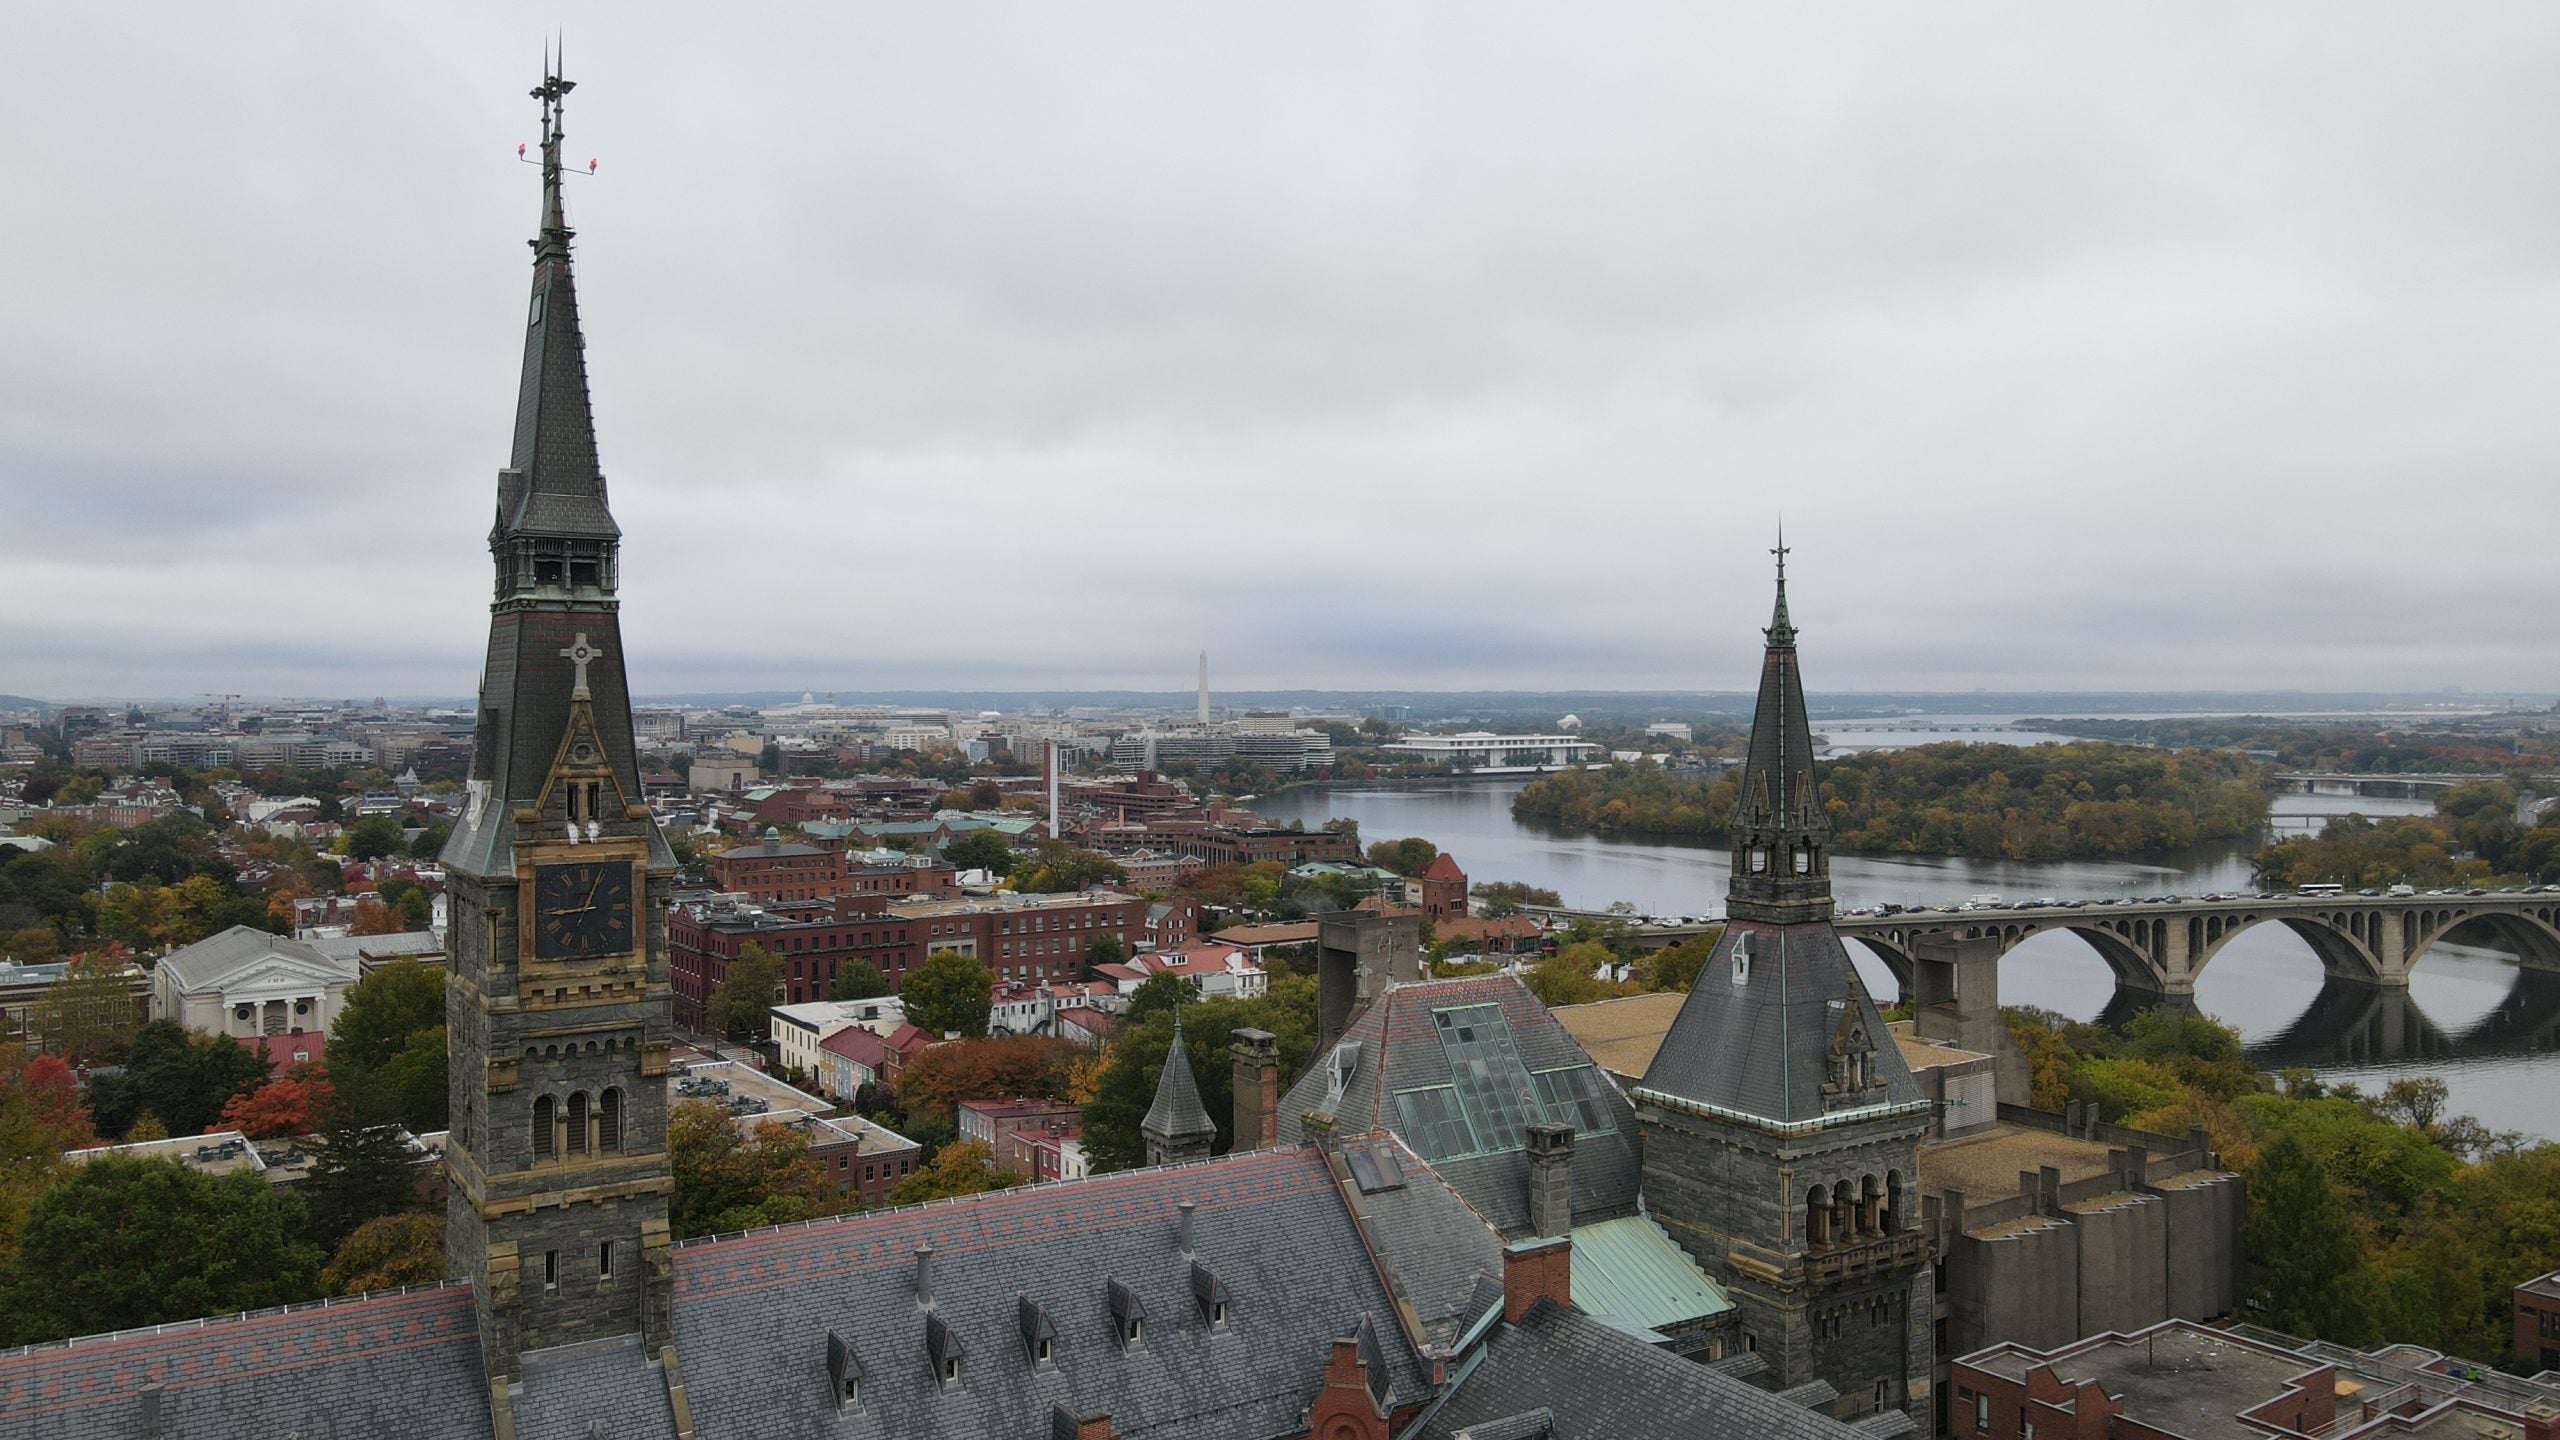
(1042,333)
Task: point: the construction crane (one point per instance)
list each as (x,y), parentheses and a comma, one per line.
(226,698)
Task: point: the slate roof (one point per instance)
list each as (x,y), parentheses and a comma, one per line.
(403,1362)
(1401,1048)
(602,1387)
(1596,1383)
(1761,1047)
(753,1311)
(209,962)
(1439,1249)
(1177,1112)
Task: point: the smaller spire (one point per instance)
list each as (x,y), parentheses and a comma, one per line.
(1781,631)
(1177,1126)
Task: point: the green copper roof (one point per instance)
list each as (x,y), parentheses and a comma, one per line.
(1630,1273)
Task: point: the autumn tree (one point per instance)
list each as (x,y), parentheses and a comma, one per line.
(725,1181)
(934,1083)
(122,1243)
(40,1118)
(742,1007)
(1570,976)
(948,995)
(388,1252)
(966,1168)
(1057,867)
(289,1104)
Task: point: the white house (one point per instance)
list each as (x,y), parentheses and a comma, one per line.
(245,983)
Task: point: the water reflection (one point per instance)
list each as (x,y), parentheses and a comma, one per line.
(2470,1015)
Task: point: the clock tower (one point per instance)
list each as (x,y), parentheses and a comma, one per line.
(557,1005)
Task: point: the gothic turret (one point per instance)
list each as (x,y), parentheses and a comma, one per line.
(1178,1126)
(1781,837)
(1781,1125)
(558,1008)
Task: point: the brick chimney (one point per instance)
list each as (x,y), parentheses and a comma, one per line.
(1257,1089)
(1535,1270)
(2542,1421)
(1550,1178)
(1066,1424)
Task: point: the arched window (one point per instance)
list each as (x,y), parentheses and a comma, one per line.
(1870,1206)
(578,1123)
(1817,1217)
(1759,860)
(1892,1202)
(609,1120)
(542,1126)
(1804,859)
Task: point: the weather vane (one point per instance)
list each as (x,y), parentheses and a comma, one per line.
(1781,552)
(553,92)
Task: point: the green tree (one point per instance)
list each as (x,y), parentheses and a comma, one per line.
(124,1243)
(1058,867)
(1161,995)
(375,836)
(381,1012)
(1408,857)
(1570,976)
(981,850)
(948,995)
(361,1169)
(182,1078)
(2306,1268)
(1127,1085)
(387,1252)
(967,1168)
(1105,950)
(742,1008)
(858,979)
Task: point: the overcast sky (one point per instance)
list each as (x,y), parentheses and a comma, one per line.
(1473,345)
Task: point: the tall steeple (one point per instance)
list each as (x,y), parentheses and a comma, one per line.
(1781,837)
(1780,1123)
(554,537)
(558,1005)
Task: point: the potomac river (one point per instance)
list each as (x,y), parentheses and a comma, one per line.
(2468,1017)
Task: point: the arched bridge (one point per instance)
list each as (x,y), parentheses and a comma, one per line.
(2162,946)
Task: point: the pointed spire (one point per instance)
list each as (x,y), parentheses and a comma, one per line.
(1781,631)
(552,486)
(1177,1126)
(1781,837)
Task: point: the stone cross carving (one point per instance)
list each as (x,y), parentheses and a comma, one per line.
(578,654)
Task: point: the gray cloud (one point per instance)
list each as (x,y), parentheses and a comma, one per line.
(2169,347)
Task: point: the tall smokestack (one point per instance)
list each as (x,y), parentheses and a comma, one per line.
(1053,790)
(1204,687)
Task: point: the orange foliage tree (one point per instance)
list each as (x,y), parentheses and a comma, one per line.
(290,1104)
(936,1081)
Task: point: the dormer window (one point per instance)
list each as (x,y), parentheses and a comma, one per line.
(1210,1294)
(1742,959)
(951,1370)
(942,1343)
(1128,1316)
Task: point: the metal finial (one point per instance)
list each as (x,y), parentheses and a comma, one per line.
(1781,631)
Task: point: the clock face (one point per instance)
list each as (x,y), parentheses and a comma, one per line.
(581,911)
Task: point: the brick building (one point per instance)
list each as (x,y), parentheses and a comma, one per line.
(773,871)
(2179,1380)
(1443,888)
(988,1122)
(1026,937)
(2538,1322)
(812,938)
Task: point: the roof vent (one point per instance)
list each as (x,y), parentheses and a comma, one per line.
(924,1275)
(1183,1228)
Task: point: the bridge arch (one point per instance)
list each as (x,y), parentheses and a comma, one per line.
(2533,932)
(2349,943)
